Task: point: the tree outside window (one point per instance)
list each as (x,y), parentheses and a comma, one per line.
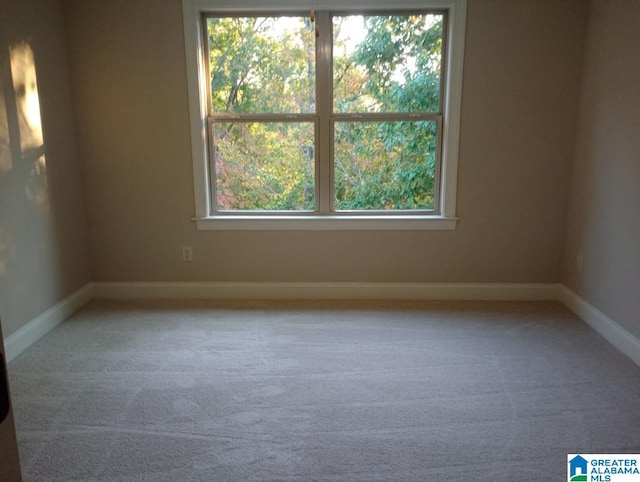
(385,116)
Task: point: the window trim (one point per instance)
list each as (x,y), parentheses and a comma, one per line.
(198,119)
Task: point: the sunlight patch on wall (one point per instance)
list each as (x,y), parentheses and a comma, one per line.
(29,122)
(25,86)
(24,125)
(23,179)
(6,163)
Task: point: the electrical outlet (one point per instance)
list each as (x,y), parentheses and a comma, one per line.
(187,254)
(579,261)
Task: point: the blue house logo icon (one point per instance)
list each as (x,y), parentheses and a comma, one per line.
(578,469)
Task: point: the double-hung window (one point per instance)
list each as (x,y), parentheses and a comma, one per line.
(333,118)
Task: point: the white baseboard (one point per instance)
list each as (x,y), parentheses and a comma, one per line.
(30,333)
(608,328)
(47,321)
(341,291)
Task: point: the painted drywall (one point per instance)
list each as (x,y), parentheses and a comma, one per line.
(43,245)
(523,61)
(604,214)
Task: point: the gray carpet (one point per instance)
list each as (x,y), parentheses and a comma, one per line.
(320,391)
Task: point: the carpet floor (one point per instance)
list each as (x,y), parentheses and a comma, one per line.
(335,391)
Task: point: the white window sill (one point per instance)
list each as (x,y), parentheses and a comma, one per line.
(326,223)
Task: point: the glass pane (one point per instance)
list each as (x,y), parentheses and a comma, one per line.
(262,64)
(264,165)
(387,63)
(385,165)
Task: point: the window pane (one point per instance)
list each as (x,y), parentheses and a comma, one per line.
(385,165)
(387,63)
(264,165)
(262,64)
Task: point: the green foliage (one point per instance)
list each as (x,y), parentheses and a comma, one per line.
(267,65)
(413,52)
(396,68)
(385,165)
(262,64)
(279,174)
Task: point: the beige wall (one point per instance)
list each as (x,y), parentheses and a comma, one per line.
(523,61)
(43,255)
(604,215)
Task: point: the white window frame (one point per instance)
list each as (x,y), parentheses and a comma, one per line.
(197,97)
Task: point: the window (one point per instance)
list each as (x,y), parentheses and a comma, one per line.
(262,122)
(337,119)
